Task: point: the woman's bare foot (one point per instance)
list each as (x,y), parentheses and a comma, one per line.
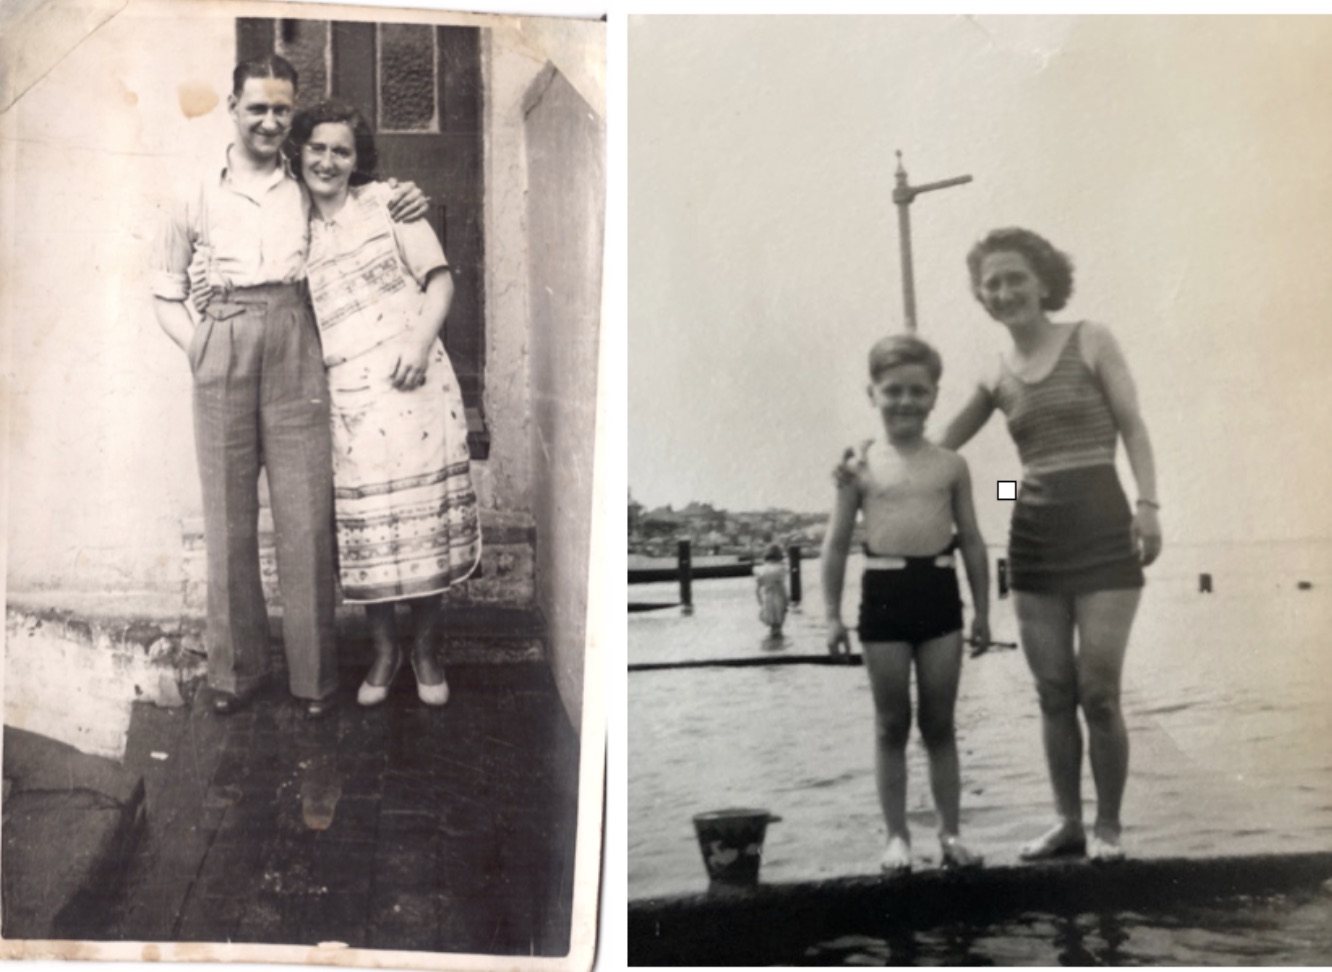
(897,858)
(1065,838)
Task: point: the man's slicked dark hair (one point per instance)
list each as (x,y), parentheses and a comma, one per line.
(270,66)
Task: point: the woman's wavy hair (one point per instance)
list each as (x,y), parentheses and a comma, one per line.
(1052,267)
(339,112)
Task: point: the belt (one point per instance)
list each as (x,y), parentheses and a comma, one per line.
(878,562)
(231,301)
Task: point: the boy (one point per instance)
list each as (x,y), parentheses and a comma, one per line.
(916,501)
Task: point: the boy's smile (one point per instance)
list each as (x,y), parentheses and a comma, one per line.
(904,395)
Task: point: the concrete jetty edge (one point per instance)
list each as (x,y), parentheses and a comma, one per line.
(768,924)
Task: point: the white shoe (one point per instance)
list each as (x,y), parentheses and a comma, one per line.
(430,694)
(370,695)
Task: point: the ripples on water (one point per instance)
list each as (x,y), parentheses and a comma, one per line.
(1275,930)
(1226,696)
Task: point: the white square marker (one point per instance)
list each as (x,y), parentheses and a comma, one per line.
(1008,489)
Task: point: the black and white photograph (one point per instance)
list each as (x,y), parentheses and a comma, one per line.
(301,315)
(979,557)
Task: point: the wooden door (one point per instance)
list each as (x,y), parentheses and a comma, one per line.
(420,87)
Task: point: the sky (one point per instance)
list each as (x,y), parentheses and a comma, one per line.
(1181,161)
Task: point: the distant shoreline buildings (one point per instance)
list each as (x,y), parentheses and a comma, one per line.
(712,531)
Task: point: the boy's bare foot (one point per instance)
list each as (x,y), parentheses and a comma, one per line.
(897,858)
(1104,845)
(955,853)
(1065,838)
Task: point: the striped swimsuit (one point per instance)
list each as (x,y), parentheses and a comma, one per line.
(1070,531)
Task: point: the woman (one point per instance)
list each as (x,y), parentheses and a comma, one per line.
(404,504)
(1076,548)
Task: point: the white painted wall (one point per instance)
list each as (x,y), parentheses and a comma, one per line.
(565,160)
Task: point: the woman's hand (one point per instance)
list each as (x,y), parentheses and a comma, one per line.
(839,640)
(1146,533)
(980,636)
(844,473)
(409,373)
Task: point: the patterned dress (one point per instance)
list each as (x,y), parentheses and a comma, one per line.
(404,504)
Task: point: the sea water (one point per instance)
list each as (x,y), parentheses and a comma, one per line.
(1227,695)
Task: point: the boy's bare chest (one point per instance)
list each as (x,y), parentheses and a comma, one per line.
(891,478)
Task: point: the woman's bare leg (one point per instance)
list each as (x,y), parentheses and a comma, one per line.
(427,612)
(1046,625)
(384,636)
(1104,620)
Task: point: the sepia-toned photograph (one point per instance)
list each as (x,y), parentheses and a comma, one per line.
(979,552)
(301,311)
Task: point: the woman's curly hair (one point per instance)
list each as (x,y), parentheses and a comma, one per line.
(1052,267)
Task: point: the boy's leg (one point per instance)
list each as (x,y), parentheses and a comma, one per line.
(226,403)
(938,668)
(298,454)
(889,667)
(1104,619)
(1045,622)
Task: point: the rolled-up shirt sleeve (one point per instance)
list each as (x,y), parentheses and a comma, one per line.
(173,248)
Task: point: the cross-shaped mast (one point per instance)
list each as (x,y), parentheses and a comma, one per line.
(903,196)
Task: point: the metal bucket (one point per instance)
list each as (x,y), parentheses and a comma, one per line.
(732,844)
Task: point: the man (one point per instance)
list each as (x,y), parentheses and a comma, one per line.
(260,395)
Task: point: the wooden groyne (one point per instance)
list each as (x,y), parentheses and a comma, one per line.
(686,572)
(769,924)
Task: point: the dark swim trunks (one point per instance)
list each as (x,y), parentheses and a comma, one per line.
(913,603)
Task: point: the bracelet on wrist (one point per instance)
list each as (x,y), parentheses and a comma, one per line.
(1152,503)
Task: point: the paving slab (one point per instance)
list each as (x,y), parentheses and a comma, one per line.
(400,827)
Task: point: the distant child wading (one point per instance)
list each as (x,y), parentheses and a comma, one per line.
(915,498)
(770,589)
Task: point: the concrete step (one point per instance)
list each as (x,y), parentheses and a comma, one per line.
(75,663)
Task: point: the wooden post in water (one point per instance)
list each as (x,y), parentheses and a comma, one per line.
(686,578)
(793,555)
